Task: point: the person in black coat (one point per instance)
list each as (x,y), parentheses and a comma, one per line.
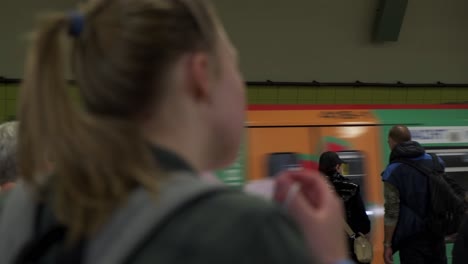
(356,217)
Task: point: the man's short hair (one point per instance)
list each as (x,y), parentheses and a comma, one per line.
(8,140)
(400,134)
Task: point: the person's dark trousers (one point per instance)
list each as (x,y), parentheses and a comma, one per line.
(423,249)
(460,248)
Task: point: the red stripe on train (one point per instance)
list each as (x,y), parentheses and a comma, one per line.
(356,106)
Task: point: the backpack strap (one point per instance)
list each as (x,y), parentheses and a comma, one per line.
(16,222)
(143,215)
(436,162)
(128,229)
(456,187)
(421,168)
(41,242)
(349,231)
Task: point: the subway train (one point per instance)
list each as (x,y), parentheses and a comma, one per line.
(277,136)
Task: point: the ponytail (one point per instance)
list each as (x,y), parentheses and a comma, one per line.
(42,92)
(91,158)
(94,161)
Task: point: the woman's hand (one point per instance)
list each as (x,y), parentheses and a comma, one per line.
(318,212)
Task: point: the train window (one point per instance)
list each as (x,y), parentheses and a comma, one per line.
(456,163)
(354,168)
(280,161)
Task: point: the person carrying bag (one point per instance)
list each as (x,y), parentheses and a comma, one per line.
(362,246)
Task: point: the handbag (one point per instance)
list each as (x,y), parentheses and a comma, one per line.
(362,246)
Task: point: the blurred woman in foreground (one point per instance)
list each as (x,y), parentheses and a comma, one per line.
(162,99)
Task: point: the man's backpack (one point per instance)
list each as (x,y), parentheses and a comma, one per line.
(447,204)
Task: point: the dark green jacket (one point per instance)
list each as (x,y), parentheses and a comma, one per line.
(229,227)
(3,196)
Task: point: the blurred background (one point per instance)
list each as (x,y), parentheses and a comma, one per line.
(285,46)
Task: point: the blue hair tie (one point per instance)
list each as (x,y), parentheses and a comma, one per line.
(76,24)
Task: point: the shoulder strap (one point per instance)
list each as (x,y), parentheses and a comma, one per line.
(16,222)
(40,242)
(43,239)
(423,169)
(454,185)
(35,249)
(436,162)
(349,231)
(132,225)
(142,216)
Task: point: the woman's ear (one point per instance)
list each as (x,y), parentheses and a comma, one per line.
(199,75)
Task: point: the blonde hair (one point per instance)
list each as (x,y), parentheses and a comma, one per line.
(123,52)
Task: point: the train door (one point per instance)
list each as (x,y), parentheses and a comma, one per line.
(359,147)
